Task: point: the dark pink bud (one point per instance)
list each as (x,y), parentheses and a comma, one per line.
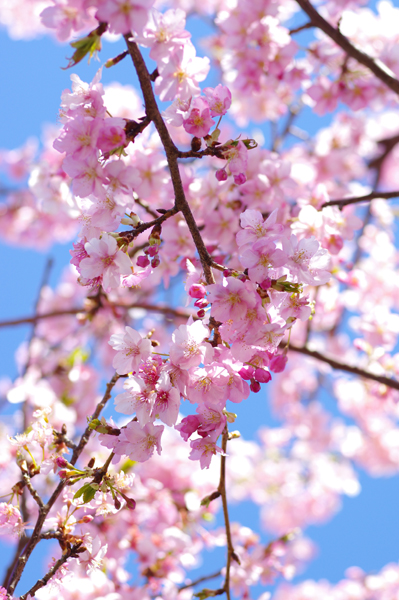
(266,283)
(262,375)
(239,179)
(226,273)
(62,474)
(242,277)
(246,372)
(156,261)
(201,303)
(201,313)
(143,261)
(86,519)
(153,250)
(277,363)
(197,291)
(61,462)
(255,386)
(221,175)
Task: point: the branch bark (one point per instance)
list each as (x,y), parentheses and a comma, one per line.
(172,154)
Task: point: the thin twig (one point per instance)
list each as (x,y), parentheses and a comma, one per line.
(356,199)
(391,383)
(223,493)
(200,580)
(32,490)
(73,311)
(307,25)
(380,72)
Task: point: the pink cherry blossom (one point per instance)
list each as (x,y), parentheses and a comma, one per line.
(131,348)
(188,348)
(138,442)
(105,259)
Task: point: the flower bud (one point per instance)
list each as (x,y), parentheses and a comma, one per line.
(255,386)
(246,372)
(277,363)
(197,291)
(201,313)
(262,375)
(156,261)
(221,175)
(201,303)
(143,261)
(152,251)
(196,144)
(239,179)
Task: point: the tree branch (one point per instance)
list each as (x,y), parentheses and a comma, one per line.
(223,493)
(200,580)
(391,383)
(348,47)
(171,152)
(74,311)
(356,199)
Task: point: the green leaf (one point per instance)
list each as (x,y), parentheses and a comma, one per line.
(89,494)
(87,45)
(81,491)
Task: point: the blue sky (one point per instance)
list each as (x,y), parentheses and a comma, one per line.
(366,531)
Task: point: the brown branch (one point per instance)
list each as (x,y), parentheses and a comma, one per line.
(45,509)
(73,311)
(335,364)
(307,25)
(131,234)
(348,47)
(199,580)
(32,490)
(147,208)
(223,493)
(356,199)
(171,152)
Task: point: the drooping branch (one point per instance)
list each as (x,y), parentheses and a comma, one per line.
(357,199)
(335,364)
(379,71)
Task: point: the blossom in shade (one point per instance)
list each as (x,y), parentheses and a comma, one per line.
(131,348)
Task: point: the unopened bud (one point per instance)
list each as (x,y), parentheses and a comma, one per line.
(196,144)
